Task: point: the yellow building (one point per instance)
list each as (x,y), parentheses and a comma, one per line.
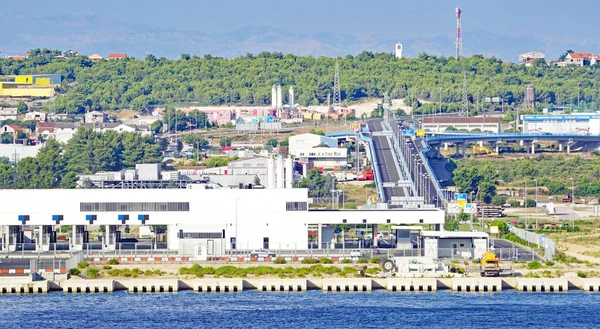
(12,89)
(29,86)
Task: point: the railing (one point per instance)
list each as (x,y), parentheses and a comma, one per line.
(433,178)
(541,240)
(378,182)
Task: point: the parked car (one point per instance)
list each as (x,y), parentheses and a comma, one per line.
(375,250)
(355,253)
(262,253)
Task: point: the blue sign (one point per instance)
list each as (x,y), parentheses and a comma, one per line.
(460,197)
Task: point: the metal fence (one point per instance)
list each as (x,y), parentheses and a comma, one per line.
(548,245)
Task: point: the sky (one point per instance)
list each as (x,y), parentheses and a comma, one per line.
(403,19)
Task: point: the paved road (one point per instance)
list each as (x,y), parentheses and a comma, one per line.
(386,165)
(508,250)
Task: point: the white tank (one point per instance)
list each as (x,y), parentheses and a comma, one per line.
(271,173)
(280,173)
(289,173)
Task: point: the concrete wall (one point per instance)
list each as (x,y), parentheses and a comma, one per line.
(21,151)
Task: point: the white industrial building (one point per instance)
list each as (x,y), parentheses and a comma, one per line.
(323,157)
(441,124)
(578,123)
(532,55)
(198,220)
(307,141)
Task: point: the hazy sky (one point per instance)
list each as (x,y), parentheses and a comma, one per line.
(394,18)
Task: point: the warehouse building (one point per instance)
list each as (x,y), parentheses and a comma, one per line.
(578,123)
(441,124)
(198,220)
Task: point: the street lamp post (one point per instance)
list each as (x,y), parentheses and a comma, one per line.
(573,202)
(536,205)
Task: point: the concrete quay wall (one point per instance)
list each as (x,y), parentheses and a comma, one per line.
(25,285)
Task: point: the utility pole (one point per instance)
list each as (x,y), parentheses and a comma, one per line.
(465,100)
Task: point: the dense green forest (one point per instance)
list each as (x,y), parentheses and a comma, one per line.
(209,80)
(58,165)
(553,174)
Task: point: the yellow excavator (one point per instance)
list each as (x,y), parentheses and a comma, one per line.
(488,152)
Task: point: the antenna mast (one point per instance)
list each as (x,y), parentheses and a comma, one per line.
(458,42)
(337,96)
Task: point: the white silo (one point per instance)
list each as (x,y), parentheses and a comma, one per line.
(398,50)
(279,97)
(289,173)
(291,96)
(280,173)
(271,173)
(274,96)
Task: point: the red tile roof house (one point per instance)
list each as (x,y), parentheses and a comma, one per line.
(578,59)
(117,56)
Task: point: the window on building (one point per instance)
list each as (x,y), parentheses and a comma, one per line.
(201,235)
(133,206)
(296,206)
(266,243)
(233,243)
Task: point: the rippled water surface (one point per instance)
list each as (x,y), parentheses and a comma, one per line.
(313,309)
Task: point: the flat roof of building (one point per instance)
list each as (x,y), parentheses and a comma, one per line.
(459,120)
(452,234)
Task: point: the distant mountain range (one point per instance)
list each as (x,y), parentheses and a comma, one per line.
(90,34)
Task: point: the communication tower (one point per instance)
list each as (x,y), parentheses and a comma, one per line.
(337,96)
(458,42)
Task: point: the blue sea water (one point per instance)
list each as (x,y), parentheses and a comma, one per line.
(313,309)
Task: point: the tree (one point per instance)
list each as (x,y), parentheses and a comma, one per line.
(156,126)
(6,138)
(22,108)
(502,226)
(272,142)
(225,141)
(498,200)
(322,144)
(318,185)
(479,180)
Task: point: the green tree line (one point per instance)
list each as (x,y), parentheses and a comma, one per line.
(553,175)
(247,80)
(58,165)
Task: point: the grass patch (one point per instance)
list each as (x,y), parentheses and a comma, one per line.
(92,273)
(74,271)
(83,265)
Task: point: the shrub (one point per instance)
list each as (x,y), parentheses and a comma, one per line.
(83,265)
(92,273)
(346,261)
(107,267)
(325,260)
(361,261)
(534,265)
(582,274)
(112,261)
(74,271)
(514,204)
(374,260)
(549,263)
(148,273)
(279,260)
(372,270)
(309,261)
